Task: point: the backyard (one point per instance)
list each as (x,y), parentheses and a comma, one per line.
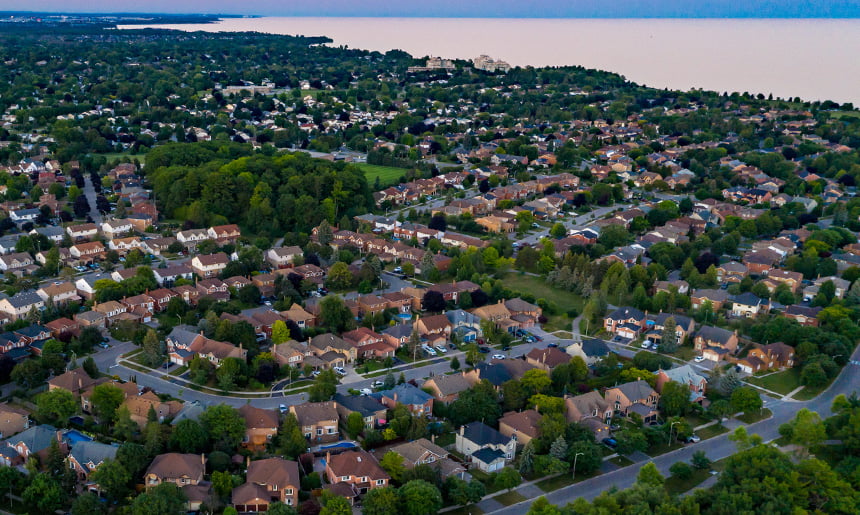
(780,382)
(538,287)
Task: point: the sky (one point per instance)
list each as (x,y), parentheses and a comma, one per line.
(466,8)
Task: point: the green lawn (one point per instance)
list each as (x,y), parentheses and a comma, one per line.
(711,431)
(538,287)
(445,439)
(676,486)
(388,175)
(780,382)
(621,461)
(119,155)
(563,480)
(662,448)
(509,498)
(750,418)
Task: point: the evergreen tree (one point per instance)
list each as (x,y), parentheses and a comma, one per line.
(558,449)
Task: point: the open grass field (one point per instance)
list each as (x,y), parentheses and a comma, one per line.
(388,175)
(538,287)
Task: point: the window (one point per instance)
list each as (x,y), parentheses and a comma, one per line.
(319,431)
(364,479)
(288,491)
(307,435)
(344,478)
(380,482)
(331,430)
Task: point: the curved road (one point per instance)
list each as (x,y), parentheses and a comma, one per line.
(715,448)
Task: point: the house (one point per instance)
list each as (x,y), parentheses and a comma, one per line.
(17,262)
(85,457)
(141,406)
(210,265)
(181,351)
(35,440)
(167,276)
(267,481)
(433,325)
(425,452)
(466,326)
(715,343)
(590,410)
(318,420)
(626,322)
(63,328)
(446,388)
(656,324)
(224,234)
(75,381)
(418,401)
(261,425)
(804,315)
(634,397)
(524,312)
(191,237)
(716,297)
(88,252)
(747,305)
(300,316)
(59,292)
(183,470)
(589,349)
(767,357)
(358,469)
(111,310)
(114,228)
(82,231)
(12,420)
(522,425)
(497,313)
(686,376)
(283,257)
(371,410)
(548,358)
(21,304)
(485,447)
(328,343)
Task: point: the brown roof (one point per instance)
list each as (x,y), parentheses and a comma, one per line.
(250,493)
(176,465)
(356,463)
(213,259)
(311,413)
(257,418)
(436,322)
(550,356)
(73,380)
(274,471)
(525,422)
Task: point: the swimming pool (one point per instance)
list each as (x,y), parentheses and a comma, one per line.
(339,445)
(74,436)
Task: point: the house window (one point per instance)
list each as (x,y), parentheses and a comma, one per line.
(288,491)
(364,479)
(319,432)
(380,482)
(331,430)
(344,478)
(307,435)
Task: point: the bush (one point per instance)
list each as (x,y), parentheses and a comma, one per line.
(681,470)
(700,461)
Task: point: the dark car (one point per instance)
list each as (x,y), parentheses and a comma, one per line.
(484,350)
(610,442)
(550,345)
(452,346)
(506,347)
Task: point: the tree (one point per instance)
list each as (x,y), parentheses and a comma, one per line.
(88,504)
(813,375)
(290,440)
(335,315)
(476,403)
(279,508)
(324,387)
(188,436)
(335,505)
(90,367)
(113,479)
(230,372)
(222,483)
(460,492)
(746,399)
(420,498)
(649,475)
(354,424)
(558,231)
(392,463)
(558,449)
(590,456)
(669,338)
(681,470)
(536,381)
(28,373)
(224,425)
(164,499)
(720,409)
(381,501)
(675,399)
(56,406)
(455,364)
(433,301)
(541,506)
(630,441)
(153,349)
(701,461)
(44,493)
(507,479)
(280,333)
(805,431)
(339,276)
(106,398)
(527,456)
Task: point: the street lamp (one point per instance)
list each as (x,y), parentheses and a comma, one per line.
(574,463)
(670,430)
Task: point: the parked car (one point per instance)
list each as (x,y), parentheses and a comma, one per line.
(498,356)
(398,269)
(452,346)
(693,439)
(315,373)
(440,348)
(365,391)
(610,442)
(377,384)
(339,371)
(282,408)
(645,344)
(551,345)
(428,349)
(699,359)
(484,350)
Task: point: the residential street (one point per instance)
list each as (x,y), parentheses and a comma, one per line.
(90,193)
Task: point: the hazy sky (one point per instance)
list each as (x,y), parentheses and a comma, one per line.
(466,8)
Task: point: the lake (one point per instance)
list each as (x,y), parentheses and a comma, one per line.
(815,59)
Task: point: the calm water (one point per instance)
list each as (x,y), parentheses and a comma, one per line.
(812,59)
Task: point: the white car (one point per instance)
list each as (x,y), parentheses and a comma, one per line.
(498,356)
(377,384)
(440,348)
(339,371)
(428,349)
(282,408)
(366,391)
(699,359)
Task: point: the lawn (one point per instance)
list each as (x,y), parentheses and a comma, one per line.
(471,509)
(662,448)
(563,480)
(711,431)
(178,371)
(780,382)
(751,418)
(445,440)
(119,155)
(388,175)
(538,287)
(509,498)
(676,486)
(621,461)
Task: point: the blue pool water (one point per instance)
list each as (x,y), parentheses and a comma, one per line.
(339,445)
(74,437)
(405,316)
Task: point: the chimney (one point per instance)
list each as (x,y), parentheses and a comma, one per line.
(203,459)
(328,457)
(462,430)
(247,462)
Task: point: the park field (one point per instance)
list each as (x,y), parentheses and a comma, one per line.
(388,175)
